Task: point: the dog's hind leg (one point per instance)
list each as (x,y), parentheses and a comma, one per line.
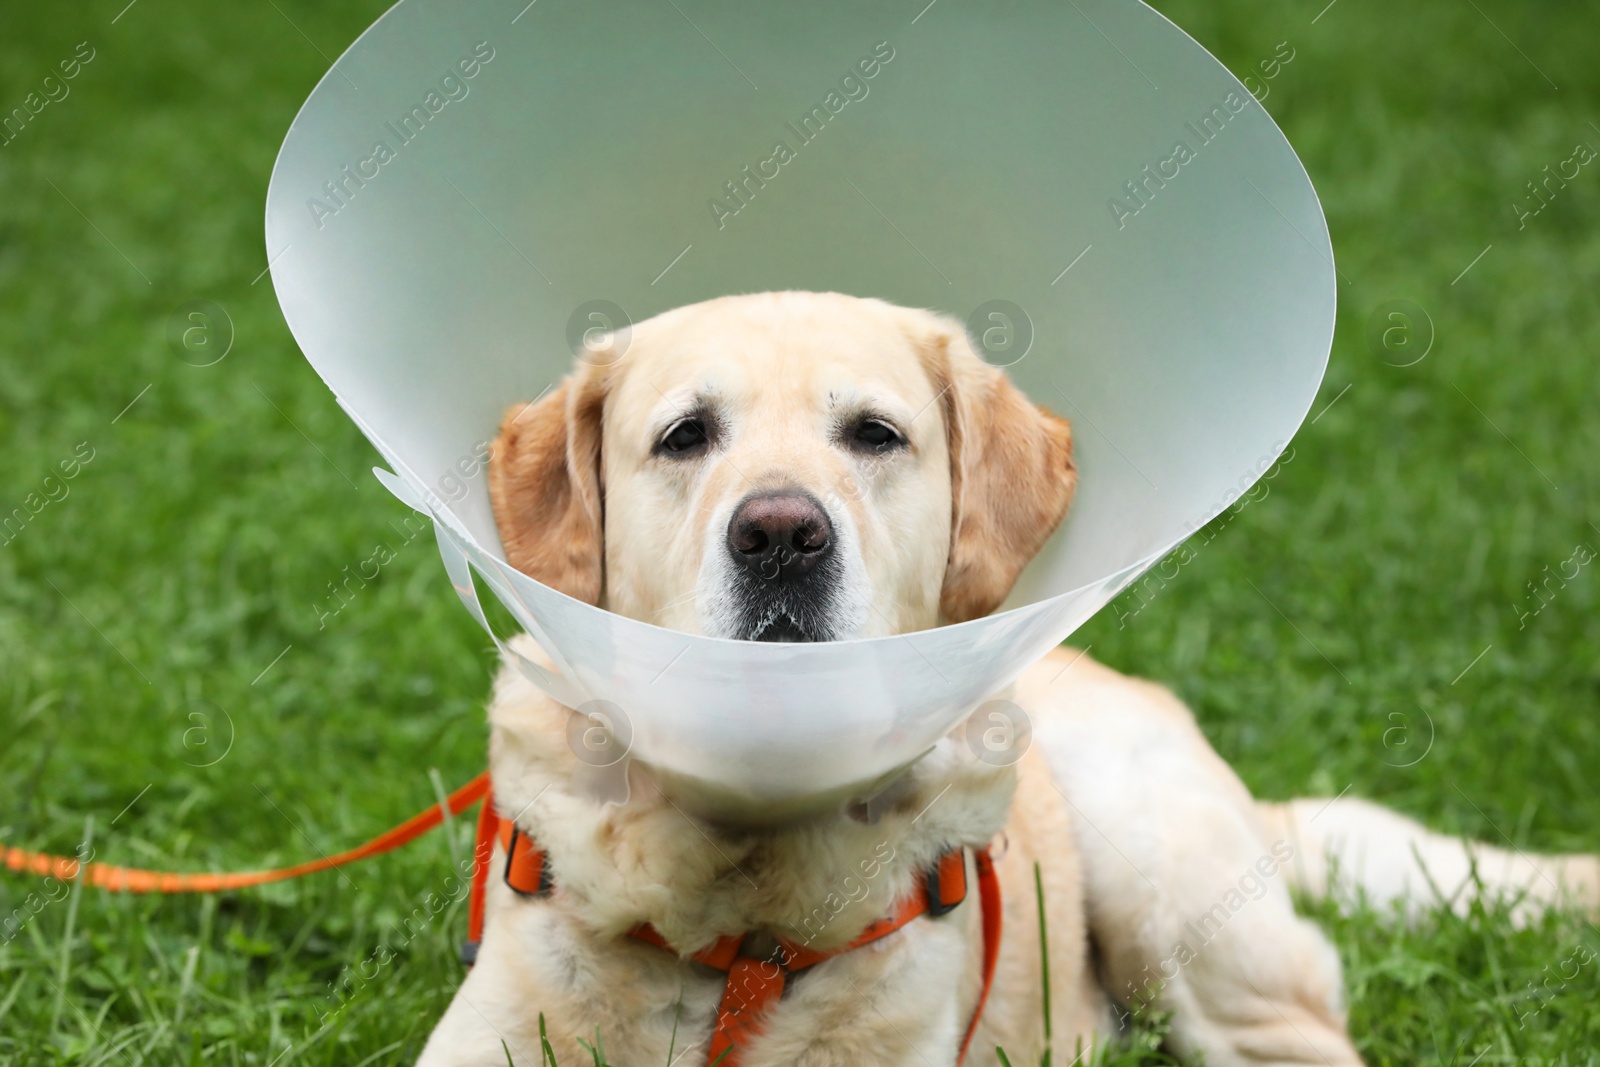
(1187,891)
(1349,844)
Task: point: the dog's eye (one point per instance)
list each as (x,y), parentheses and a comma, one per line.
(686,435)
(876,435)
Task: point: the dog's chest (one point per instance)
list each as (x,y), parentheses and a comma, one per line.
(896,1001)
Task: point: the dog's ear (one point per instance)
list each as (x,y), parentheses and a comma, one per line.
(544,483)
(1011,473)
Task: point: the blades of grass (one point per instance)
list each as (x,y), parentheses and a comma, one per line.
(115,1050)
(148,1005)
(208,918)
(190,959)
(596,1051)
(385,1050)
(449,820)
(1446,903)
(158,1031)
(546,1053)
(292,1052)
(509,1061)
(722,1057)
(1488,935)
(5,1005)
(315,916)
(672,1044)
(1005,1061)
(98,1022)
(148,937)
(1044,961)
(64,968)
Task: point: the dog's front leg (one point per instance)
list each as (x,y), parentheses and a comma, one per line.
(535,961)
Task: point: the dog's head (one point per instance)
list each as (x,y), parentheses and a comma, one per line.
(783,467)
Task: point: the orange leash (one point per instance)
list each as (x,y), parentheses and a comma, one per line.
(750,988)
(989,899)
(133,880)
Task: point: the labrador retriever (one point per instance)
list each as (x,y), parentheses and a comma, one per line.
(810,467)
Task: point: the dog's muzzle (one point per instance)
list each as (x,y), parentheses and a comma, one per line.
(782,545)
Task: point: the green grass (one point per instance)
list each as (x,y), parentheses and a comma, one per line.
(197,544)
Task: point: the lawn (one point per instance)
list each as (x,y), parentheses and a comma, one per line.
(177,692)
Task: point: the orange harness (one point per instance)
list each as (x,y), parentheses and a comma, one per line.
(752,986)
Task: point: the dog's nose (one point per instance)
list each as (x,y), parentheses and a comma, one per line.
(780,536)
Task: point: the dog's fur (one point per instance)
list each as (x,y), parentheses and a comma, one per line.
(1164,882)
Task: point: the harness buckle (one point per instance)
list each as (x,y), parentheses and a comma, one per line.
(945,883)
(527,866)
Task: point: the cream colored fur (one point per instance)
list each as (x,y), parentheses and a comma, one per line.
(1164,881)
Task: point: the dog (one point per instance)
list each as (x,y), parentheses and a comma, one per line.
(804,466)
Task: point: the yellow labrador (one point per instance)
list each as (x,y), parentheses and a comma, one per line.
(809,467)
